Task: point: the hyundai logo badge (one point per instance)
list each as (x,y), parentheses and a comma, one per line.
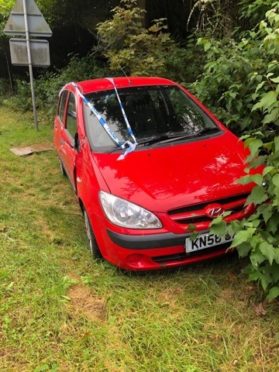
(214,211)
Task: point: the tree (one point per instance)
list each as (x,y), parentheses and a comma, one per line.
(131,47)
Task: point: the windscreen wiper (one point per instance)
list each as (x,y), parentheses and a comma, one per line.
(202,132)
(168,136)
(172,137)
(205,131)
(152,139)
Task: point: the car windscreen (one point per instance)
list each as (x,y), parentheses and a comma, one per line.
(152,111)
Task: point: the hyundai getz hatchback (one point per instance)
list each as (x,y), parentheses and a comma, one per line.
(149,165)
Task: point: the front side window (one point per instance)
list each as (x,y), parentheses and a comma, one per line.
(160,112)
(71,122)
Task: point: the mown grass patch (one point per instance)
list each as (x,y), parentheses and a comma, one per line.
(60,311)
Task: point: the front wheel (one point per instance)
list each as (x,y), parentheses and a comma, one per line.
(93,246)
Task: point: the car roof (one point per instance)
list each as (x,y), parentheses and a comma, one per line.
(95,85)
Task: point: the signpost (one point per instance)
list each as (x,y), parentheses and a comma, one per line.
(27,21)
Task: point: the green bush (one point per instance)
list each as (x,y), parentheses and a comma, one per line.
(78,69)
(252,12)
(130,47)
(232,72)
(48,86)
(255,100)
(4,88)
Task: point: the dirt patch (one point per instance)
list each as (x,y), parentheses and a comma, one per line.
(260,309)
(84,302)
(29,150)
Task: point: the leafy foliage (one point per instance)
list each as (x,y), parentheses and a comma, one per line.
(132,48)
(128,45)
(68,11)
(48,87)
(242,70)
(5,6)
(257,236)
(252,12)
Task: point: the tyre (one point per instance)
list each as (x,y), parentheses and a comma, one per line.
(93,246)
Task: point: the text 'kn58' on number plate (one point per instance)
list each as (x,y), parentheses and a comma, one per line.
(206,240)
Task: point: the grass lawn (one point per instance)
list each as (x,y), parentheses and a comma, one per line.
(60,311)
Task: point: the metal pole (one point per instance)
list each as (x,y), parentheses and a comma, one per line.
(30,64)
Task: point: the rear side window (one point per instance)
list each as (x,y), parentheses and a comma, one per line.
(71,123)
(62,105)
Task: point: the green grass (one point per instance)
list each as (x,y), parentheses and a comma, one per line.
(60,311)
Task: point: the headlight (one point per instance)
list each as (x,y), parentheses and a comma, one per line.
(126,214)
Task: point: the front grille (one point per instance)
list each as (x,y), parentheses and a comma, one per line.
(195,214)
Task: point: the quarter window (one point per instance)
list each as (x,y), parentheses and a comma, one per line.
(62,105)
(71,123)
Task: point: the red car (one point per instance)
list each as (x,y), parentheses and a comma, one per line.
(149,165)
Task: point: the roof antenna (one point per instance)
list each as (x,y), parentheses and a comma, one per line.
(124,72)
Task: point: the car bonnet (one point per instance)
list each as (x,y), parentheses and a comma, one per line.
(165,177)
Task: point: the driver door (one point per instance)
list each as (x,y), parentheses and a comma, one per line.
(70,138)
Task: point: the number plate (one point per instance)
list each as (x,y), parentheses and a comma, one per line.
(204,241)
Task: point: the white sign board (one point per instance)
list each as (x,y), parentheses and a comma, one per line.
(27,21)
(39,52)
(37,24)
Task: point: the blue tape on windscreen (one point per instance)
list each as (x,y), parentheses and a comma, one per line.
(127,146)
(100,118)
(130,131)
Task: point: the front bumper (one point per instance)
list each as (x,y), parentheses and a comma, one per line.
(157,251)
